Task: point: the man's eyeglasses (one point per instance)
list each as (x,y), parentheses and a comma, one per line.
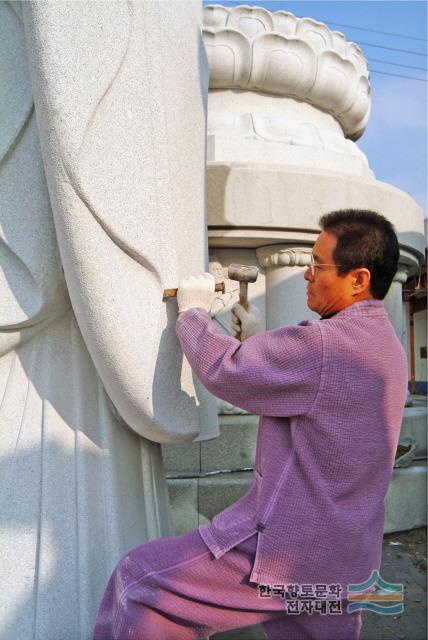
(313,265)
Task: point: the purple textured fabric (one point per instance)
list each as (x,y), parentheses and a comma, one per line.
(174,589)
(331,395)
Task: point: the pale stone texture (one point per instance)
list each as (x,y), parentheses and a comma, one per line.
(420,331)
(406,500)
(126,181)
(183,460)
(183,493)
(285,265)
(120,100)
(251,127)
(215,492)
(279,54)
(235,447)
(415,425)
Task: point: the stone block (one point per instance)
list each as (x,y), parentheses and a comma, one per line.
(182,459)
(235,447)
(294,194)
(183,496)
(415,425)
(216,492)
(406,500)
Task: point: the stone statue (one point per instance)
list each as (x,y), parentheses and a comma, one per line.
(101,208)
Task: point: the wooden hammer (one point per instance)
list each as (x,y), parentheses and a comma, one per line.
(243,274)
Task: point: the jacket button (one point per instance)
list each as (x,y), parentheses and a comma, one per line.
(260,527)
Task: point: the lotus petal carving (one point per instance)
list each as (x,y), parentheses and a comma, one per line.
(359,112)
(335,86)
(215,16)
(284,23)
(282,65)
(250,48)
(229,58)
(253,23)
(315,33)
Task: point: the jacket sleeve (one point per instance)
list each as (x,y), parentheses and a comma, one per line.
(275,373)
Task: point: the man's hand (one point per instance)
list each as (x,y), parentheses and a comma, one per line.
(196,291)
(245,323)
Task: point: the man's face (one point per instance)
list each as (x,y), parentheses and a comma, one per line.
(328,292)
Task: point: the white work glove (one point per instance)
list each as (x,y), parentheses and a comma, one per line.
(196,291)
(245,323)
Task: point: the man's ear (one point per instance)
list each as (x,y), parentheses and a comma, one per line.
(360,281)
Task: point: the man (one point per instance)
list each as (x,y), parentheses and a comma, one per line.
(330,394)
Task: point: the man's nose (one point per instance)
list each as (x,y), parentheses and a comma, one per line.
(308,274)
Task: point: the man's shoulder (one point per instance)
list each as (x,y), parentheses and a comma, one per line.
(370,308)
(304,335)
(362,326)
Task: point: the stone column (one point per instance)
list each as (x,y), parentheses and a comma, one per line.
(394,304)
(285,286)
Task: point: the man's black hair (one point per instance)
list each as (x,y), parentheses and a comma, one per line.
(364,239)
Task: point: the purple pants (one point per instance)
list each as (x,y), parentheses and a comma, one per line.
(174,589)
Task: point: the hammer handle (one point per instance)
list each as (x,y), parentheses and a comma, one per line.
(243,295)
(172,293)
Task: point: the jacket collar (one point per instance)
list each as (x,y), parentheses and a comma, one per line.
(363,308)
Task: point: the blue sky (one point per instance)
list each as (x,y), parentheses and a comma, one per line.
(395,141)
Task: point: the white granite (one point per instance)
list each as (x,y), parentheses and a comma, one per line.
(406,500)
(286,298)
(121,145)
(245,126)
(277,53)
(126,182)
(284,90)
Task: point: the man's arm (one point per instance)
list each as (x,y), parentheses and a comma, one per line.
(274,373)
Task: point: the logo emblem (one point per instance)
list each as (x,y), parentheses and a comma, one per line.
(386,592)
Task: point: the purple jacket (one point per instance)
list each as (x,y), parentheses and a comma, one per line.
(330,395)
